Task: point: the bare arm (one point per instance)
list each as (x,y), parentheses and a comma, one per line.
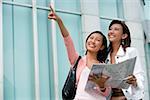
(53,15)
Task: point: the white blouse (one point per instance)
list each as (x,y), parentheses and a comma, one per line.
(81,94)
(132,93)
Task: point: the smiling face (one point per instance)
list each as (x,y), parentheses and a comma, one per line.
(94,42)
(115,33)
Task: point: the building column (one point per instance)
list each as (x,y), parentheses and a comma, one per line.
(89,18)
(147,34)
(133,14)
(1,53)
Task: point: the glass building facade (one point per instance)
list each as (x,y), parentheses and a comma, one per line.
(33,57)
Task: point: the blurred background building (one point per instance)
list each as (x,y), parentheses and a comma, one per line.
(33,58)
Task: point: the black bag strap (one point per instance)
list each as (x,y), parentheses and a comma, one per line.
(76,63)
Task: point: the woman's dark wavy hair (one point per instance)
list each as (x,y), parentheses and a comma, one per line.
(102,54)
(127,41)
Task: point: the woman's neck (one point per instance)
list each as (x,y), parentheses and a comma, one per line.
(91,58)
(115,47)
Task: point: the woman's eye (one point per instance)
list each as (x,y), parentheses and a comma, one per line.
(116,29)
(91,37)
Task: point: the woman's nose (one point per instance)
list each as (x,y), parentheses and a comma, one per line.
(93,40)
(110,32)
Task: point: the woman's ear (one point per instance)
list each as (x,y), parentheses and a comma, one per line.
(124,36)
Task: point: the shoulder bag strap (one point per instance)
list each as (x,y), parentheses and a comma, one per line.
(76,63)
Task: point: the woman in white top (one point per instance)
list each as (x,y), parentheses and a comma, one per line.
(120,50)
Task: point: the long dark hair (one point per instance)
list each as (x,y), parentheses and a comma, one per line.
(125,42)
(102,54)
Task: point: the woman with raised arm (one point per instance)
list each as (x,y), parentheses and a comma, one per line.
(96,45)
(120,50)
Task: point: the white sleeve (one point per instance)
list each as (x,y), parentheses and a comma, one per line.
(139,74)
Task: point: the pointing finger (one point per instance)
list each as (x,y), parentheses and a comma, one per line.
(51,8)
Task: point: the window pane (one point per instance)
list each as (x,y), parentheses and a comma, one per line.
(24,1)
(104,25)
(7,0)
(147,50)
(23,54)
(44,44)
(108,8)
(72,23)
(9,83)
(69,5)
(44,3)
(120,9)
(112,9)
(147,9)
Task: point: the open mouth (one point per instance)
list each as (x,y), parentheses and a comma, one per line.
(91,45)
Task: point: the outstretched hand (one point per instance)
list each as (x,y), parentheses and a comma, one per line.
(98,79)
(131,79)
(52,14)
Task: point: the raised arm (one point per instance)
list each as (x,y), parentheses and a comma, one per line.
(53,15)
(72,54)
